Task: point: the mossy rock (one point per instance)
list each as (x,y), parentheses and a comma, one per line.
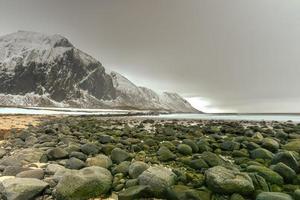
(268,174)
(293,146)
(285,171)
(192,144)
(195,179)
(83,184)
(169,145)
(261,153)
(135,192)
(212,159)
(198,164)
(225,181)
(164,154)
(182,192)
(236,196)
(259,183)
(273,196)
(184,149)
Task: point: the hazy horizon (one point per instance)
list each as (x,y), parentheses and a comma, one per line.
(222,56)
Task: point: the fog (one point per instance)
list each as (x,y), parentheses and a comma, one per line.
(222,55)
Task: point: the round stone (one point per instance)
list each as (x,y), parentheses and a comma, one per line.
(136,168)
(225,181)
(185,149)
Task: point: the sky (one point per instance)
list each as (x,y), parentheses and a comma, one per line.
(222,55)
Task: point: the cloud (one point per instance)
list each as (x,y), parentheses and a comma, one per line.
(237,55)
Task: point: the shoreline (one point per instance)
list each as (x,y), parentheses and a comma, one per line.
(135,157)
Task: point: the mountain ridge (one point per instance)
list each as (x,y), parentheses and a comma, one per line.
(47,70)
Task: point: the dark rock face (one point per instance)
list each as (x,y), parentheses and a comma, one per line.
(47,70)
(56,68)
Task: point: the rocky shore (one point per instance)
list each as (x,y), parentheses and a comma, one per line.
(78,158)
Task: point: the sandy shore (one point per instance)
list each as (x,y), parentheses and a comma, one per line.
(19,122)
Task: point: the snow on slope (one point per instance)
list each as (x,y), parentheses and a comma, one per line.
(47,70)
(130,95)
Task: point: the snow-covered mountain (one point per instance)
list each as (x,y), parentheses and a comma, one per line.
(47,70)
(130,95)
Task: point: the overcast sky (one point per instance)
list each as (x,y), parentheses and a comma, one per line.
(224,55)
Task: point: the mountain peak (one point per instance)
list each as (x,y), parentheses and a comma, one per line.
(30,38)
(37,69)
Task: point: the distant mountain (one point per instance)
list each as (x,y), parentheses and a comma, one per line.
(47,70)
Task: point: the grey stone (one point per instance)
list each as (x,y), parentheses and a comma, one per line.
(270,144)
(21,188)
(136,168)
(99,160)
(261,153)
(158,178)
(164,154)
(273,196)
(134,192)
(78,155)
(184,149)
(288,158)
(90,149)
(57,153)
(285,171)
(74,163)
(53,168)
(118,155)
(84,184)
(225,181)
(33,173)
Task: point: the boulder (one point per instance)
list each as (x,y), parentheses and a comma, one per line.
(24,156)
(90,149)
(33,173)
(212,159)
(225,181)
(21,188)
(105,139)
(288,158)
(13,170)
(135,192)
(270,144)
(53,168)
(261,153)
(164,154)
(84,184)
(119,155)
(74,163)
(297,194)
(158,178)
(268,174)
(31,140)
(182,192)
(230,145)
(236,196)
(293,146)
(285,171)
(123,168)
(100,161)
(198,164)
(136,168)
(2,152)
(184,149)
(150,142)
(259,182)
(78,155)
(57,153)
(192,144)
(273,196)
